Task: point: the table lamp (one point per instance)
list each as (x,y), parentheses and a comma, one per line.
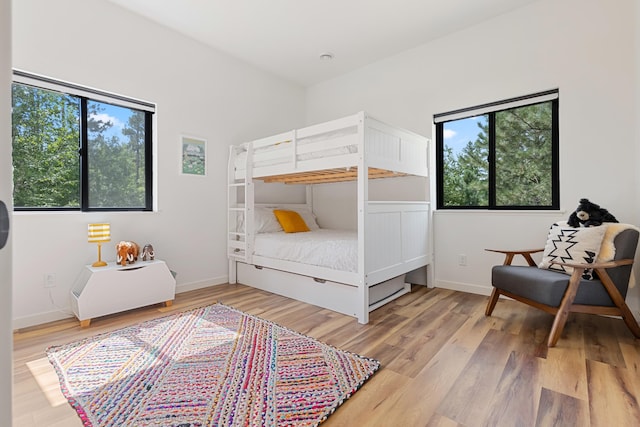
(99,233)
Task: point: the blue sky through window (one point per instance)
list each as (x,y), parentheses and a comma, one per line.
(458,133)
(118,116)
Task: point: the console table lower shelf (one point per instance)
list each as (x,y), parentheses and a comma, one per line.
(100,291)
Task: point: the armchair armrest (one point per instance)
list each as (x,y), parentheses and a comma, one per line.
(601,265)
(509,255)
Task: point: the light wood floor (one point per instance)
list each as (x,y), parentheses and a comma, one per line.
(443,362)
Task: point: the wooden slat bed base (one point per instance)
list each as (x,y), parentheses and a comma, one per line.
(328,175)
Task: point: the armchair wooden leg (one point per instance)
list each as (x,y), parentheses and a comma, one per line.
(617,299)
(492,302)
(563,311)
(556,329)
(630,321)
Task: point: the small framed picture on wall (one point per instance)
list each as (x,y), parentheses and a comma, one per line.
(193,156)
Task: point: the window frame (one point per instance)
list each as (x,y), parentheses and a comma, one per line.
(85,94)
(490,110)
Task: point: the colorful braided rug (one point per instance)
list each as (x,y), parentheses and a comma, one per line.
(212,366)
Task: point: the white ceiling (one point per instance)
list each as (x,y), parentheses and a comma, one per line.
(286,37)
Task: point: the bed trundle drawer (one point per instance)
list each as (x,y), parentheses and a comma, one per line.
(381,292)
(335,296)
(338,297)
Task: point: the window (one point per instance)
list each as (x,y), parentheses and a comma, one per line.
(79,149)
(502,155)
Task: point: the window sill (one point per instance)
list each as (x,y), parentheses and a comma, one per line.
(496,212)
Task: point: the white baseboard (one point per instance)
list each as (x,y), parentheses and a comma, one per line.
(464,287)
(65,313)
(192,286)
(484,290)
(40,318)
(54,315)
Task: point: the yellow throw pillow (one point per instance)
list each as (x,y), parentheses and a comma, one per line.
(290,221)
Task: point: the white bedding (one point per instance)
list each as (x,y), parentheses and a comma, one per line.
(335,249)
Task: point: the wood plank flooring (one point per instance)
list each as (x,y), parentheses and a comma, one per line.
(443,362)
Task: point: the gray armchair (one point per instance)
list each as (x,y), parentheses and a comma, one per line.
(559,294)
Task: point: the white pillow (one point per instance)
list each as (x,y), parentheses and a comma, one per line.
(265,221)
(308,217)
(568,244)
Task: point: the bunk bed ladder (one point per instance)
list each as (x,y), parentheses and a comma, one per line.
(240,213)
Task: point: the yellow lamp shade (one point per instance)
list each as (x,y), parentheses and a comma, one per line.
(99,233)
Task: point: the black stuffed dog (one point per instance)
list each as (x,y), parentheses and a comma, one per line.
(589,215)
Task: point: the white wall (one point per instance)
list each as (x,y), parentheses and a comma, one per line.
(634,298)
(198,91)
(6,338)
(336,204)
(584,48)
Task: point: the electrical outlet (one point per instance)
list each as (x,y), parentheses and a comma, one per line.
(50,280)
(462,260)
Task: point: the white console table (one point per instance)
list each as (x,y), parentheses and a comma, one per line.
(99,291)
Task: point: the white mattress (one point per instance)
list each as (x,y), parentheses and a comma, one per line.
(335,249)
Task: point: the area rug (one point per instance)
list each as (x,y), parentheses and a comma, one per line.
(212,366)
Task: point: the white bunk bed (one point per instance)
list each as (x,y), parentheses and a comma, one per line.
(392,238)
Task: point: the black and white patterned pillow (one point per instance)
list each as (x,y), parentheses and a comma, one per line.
(568,244)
